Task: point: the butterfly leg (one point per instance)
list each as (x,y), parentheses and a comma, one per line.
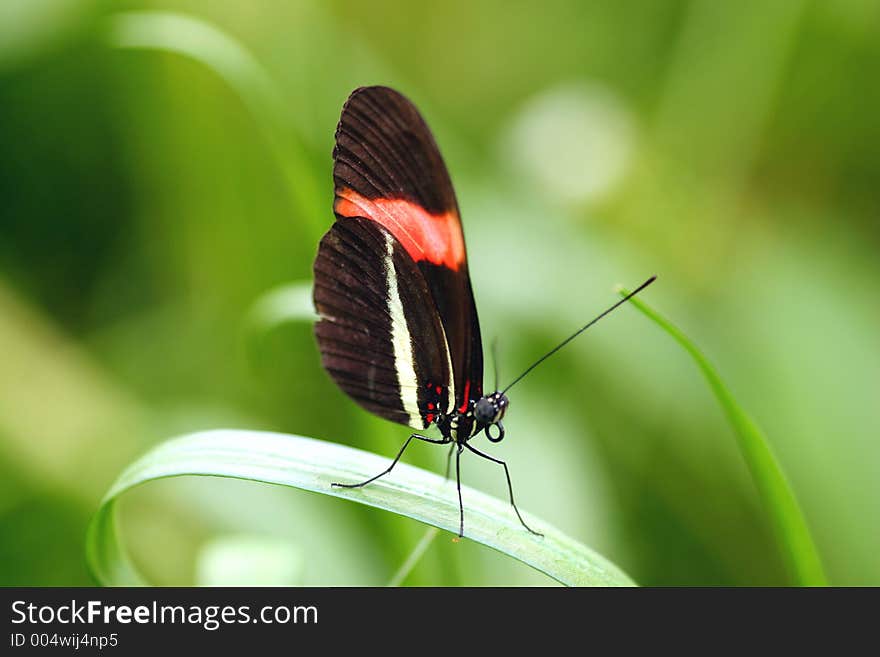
(509,485)
(458,485)
(449,461)
(437,441)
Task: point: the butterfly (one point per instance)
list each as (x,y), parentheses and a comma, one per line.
(398,328)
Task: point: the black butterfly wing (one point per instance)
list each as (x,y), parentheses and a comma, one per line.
(380,340)
(388,169)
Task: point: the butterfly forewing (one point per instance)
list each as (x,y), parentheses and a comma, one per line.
(389,171)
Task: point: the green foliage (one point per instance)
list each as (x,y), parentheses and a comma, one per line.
(218,52)
(789,524)
(312,465)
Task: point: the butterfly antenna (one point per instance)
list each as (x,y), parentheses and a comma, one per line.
(495,359)
(577,333)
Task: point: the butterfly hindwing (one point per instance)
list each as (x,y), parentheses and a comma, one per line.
(380,338)
(388,169)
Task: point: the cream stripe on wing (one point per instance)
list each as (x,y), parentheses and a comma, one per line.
(451,394)
(402,343)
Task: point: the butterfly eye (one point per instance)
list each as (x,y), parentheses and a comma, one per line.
(499,437)
(485,411)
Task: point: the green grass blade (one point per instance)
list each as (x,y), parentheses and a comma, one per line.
(418,552)
(219,52)
(291,302)
(312,465)
(789,525)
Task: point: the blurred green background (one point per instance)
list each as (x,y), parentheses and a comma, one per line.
(151,198)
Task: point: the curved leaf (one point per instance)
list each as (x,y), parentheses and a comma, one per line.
(219,52)
(798,549)
(310,464)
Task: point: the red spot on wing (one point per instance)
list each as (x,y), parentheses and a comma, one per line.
(436,238)
(467,397)
(429,417)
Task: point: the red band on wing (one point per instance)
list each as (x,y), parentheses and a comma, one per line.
(436,238)
(466,397)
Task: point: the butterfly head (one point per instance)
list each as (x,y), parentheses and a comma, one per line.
(488,412)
